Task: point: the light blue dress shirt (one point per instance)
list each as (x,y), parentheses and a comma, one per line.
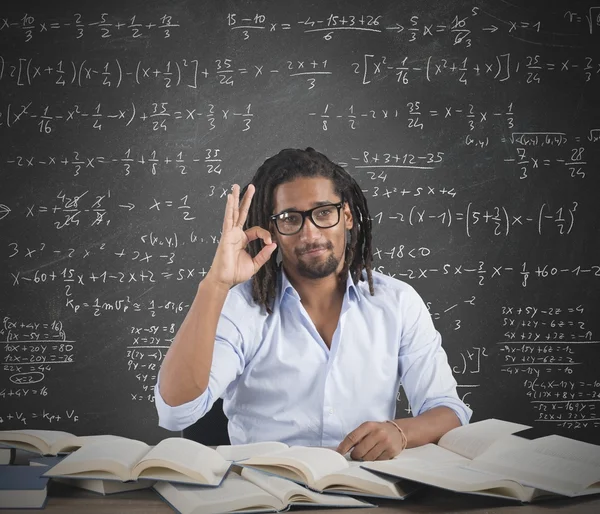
(280,382)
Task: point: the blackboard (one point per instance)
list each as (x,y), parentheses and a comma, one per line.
(472,127)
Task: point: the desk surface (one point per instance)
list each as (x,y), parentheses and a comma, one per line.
(64,499)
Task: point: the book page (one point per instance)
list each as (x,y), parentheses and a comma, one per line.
(566,448)
(429,456)
(188,457)
(236,452)
(41,440)
(290,492)
(452,476)
(416,468)
(472,440)
(118,457)
(105,486)
(234,494)
(155,473)
(519,459)
(99,475)
(469,480)
(313,462)
(358,480)
(73,443)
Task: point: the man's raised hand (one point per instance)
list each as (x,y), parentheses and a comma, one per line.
(232,263)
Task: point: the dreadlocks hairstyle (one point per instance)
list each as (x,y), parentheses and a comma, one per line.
(286,166)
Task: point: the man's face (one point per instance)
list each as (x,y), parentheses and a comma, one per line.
(313,252)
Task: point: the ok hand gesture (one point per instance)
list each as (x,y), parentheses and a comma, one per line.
(232,264)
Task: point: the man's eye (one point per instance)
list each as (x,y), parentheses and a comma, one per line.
(325,212)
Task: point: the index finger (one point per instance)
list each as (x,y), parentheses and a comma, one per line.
(352,439)
(245,205)
(228,218)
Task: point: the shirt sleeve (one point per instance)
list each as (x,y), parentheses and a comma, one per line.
(229,361)
(423,364)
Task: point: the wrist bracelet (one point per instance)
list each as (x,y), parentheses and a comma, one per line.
(404,438)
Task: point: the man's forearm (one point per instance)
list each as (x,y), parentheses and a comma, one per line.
(184,372)
(428,426)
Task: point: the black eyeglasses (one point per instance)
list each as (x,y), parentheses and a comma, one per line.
(289,223)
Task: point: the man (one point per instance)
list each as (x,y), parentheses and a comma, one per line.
(311,351)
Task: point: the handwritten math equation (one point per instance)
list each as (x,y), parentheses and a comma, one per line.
(562,344)
(496,218)
(477,273)
(414,114)
(78,26)
(188,73)
(158,116)
(192,72)
(531,70)
(34,419)
(144,353)
(29,352)
(570,403)
(128,162)
(458,29)
(464,29)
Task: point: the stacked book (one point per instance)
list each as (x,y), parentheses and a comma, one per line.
(192,477)
(485,458)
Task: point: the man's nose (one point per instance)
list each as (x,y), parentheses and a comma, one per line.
(309,230)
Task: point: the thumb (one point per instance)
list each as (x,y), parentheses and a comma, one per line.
(263,256)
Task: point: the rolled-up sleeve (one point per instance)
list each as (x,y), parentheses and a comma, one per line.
(228,363)
(180,416)
(423,364)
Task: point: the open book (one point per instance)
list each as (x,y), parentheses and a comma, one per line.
(486,458)
(321,469)
(95,485)
(174,459)
(253,491)
(48,442)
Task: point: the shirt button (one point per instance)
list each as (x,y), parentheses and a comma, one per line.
(331,411)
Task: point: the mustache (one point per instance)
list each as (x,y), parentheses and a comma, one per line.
(310,248)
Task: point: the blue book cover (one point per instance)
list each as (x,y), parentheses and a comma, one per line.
(49,461)
(22,487)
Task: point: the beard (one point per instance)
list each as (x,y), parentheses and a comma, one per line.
(318,269)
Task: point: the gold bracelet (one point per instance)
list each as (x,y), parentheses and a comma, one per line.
(404,438)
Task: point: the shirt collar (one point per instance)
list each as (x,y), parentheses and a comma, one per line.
(286,288)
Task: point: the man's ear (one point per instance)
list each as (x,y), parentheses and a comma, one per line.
(348,219)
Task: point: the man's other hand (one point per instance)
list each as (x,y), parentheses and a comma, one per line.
(373,440)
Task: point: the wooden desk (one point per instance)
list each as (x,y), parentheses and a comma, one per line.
(65,500)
